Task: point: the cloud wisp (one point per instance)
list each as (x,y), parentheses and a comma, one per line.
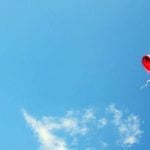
(128,128)
(46,138)
(145,85)
(84,129)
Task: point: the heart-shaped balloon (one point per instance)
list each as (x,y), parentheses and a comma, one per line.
(146,62)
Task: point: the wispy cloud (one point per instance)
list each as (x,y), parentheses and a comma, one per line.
(47,139)
(102,122)
(128,128)
(46,128)
(145,85)
(84,127)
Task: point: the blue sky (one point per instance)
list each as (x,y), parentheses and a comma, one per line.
(57,56)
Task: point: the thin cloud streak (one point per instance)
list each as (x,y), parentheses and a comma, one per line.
(46,138)
(145,85)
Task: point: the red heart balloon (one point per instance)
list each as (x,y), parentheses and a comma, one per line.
(146,62)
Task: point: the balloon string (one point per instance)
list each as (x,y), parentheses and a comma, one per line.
(146,84)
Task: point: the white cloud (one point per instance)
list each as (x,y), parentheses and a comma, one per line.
(117,114)
(73,126)
(84,128)
(89,115)
(129,128)
(46,127)
(46,138)
(102,122)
